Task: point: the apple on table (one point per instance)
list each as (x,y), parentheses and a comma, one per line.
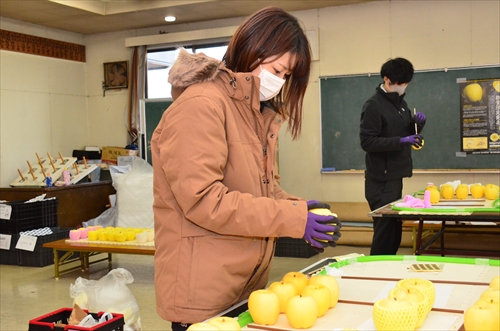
(264,307)
(298,278)
(284,291)
(394,314)
(482,317)
(320,294)
(301,311)
(331,283)
(225,323)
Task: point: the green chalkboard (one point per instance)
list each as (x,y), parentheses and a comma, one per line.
(435,93)
(153,110)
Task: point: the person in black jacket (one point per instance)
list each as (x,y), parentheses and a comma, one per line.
(387,133)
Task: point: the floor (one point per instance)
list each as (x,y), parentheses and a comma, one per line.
(29,292)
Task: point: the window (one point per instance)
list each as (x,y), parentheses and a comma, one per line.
(159,63)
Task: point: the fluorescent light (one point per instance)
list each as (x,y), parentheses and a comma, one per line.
(170,18)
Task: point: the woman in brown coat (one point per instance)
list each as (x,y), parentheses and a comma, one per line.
(218,205)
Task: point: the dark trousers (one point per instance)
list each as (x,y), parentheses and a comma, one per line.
(179,326)
(387,231)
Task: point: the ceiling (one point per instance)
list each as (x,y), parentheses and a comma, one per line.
(100,16)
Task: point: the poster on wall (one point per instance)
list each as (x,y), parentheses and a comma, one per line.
(480,116)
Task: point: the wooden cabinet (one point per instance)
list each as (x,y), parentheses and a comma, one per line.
(77,203)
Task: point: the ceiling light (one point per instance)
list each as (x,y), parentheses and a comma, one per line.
(170,18)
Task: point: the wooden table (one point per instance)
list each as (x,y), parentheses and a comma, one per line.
(77,203)
(365,279)
(450,222)
(82,251)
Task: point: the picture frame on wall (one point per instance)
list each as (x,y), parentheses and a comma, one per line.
(116,75)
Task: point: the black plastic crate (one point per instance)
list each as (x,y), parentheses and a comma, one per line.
(54,322)
(30,215)
(40,256)
(10,256)
(291,247)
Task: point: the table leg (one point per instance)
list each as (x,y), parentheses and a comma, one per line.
(419,236)
(56,263)
(414,239)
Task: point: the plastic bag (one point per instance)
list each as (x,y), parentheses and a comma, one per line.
(134,194)
(108,294)
(107,218)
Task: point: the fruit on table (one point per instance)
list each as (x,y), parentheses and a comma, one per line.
(423,285)
(202,326)
(225,323)
(491,191)
(415,296)
(301,311)
(320,294)
(434,196)
(494,301)
(331,283)
(483,317)
(495,283)
(491,294)
(477,191)
(394,314)
(462,191)
(284,291)
(264,307)
(298,278)
(447,191)
(431,186)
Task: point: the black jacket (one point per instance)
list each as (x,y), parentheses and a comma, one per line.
(384,119)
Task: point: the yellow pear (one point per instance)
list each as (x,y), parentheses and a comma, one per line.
(477,191)
(491,191)
(447,191)
(462,191)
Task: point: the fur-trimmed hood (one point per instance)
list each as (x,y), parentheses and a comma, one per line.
(189,69)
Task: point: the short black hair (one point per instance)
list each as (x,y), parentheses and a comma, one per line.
(398,70)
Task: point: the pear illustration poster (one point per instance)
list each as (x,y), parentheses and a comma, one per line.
(480,116)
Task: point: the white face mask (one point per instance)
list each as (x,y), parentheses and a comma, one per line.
(400,89)
(270,85)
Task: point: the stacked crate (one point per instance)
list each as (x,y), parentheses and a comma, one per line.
(25,216)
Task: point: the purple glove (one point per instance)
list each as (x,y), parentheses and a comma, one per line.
(419,118)
(317,227)
(414,139)
(313,204)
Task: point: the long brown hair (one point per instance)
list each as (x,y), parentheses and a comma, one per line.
(273,32)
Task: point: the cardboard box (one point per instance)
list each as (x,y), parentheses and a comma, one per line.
(110,154)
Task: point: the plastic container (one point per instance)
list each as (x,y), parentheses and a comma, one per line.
(40,256)
(291,247)
(52,322)
(28,216)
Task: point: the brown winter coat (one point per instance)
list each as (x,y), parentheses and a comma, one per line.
(217,204)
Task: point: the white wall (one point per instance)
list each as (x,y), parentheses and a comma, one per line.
(352,39)
(43,103)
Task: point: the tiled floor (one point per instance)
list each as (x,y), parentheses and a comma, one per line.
(28,292)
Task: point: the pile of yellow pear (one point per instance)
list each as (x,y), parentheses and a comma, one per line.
(406,307)
(477,191)
(484,314)
(119,234)
(300,298)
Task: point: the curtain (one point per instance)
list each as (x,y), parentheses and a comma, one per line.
(136,91)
